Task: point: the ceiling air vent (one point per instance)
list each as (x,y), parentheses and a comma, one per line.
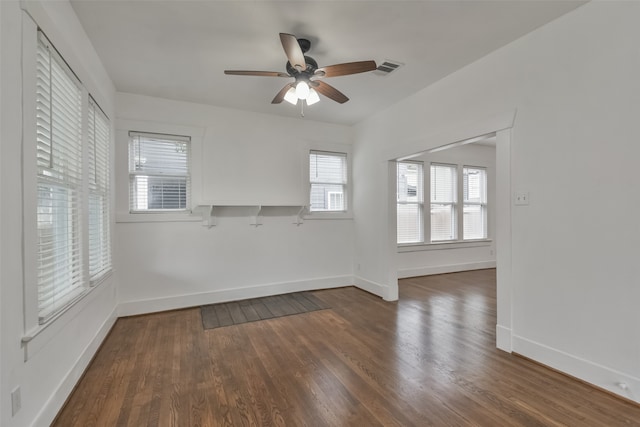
(387,67)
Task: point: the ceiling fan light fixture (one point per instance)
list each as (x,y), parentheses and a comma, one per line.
(291,96)
(313,97)
(302,90)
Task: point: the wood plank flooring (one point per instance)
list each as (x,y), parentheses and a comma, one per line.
(427,360)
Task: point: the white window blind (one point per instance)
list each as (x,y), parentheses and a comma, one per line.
(59,182)
(475,203)
(159,173)
(99,189)
(328,179)
(410,202)
(443,202)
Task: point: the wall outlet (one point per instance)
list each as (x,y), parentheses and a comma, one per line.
(522,198)
(16,401)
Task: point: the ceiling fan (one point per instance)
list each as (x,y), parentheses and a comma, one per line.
(307,74)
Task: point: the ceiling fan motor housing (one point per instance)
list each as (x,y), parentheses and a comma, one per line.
(311,64)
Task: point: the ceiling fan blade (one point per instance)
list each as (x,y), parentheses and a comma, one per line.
(280,95)
(293,51)
(329,91)
(346,69)
(256,73)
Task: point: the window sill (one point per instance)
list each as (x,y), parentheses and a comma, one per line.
(416,247)
(37,338)
(157,217)
(327,215)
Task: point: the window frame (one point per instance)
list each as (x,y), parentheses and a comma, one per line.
(484,205)
(99,177)
(187,139)
(420,202)
(427,243)
(454,205)
(38,318)
(328,148)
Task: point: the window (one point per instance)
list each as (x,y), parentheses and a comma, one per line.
(410,202)
(443,202)
(99,215)
(159,174)
(446,185)
(328,180)
(475,203)
(60,269)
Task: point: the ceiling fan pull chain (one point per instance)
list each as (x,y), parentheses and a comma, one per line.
(302,108)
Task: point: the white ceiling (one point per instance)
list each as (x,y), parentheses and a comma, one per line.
(179,49)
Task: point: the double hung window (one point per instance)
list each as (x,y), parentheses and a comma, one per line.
(410,202)
(328,181)
(457,196)
(443,202)
(159,173)
(63,205)
(99,177)
(475,203)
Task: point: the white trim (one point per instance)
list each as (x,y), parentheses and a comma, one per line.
(37,338)
(132,308)
(463,132)
(502,232)
(601,376)
(57,399)
(371,287)
(442,269)
(438,246)
(499,124)
(327,215)
(157,217)
(121,168)
(503,338)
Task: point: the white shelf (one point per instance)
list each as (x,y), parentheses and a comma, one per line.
(255,210)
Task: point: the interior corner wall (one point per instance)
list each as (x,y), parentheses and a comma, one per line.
(426,259)
(574,150)
(238,158)
(49,374)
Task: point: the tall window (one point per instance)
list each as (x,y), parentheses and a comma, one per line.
(475,203)
(328,179)
(443,202)
(99,215)
(59,182)
(410,202)
(159,172)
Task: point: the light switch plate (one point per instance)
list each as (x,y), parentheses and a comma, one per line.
(522,198)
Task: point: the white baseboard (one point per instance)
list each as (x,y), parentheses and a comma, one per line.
(51,408)
(132,308)
(442,269)
(585,370)
(371,287)
(503,338)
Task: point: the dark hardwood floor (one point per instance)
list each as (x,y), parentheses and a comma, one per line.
(427,360)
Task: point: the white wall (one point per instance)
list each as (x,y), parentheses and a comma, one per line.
(58,354)
(574,148)
(421,260)
(238,158)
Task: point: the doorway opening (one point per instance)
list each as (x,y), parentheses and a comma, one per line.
(443,221)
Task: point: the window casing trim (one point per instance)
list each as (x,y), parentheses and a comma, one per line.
(34,326)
